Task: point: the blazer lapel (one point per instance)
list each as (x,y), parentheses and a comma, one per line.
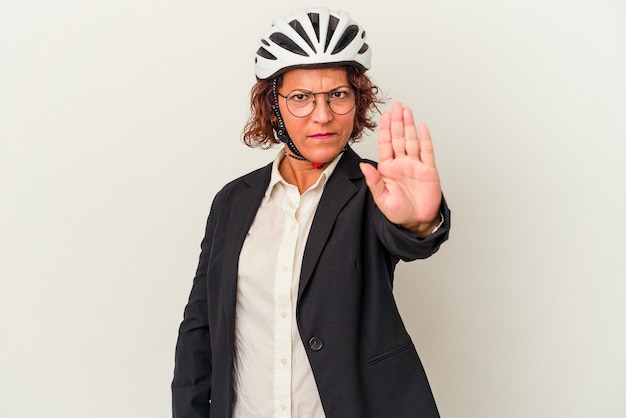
(338,191)
(243,208)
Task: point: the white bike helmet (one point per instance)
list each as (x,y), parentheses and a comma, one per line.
(315,37)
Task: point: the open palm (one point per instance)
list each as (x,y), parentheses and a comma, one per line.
(406,185)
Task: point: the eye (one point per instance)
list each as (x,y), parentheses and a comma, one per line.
(300,96)
(337,95)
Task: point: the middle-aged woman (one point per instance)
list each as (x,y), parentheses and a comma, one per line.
(291,313)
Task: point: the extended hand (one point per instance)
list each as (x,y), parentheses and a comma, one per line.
(406,184)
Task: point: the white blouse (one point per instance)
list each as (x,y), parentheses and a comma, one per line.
(272,374)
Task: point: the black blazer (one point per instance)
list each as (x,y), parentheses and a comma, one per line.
(363,360)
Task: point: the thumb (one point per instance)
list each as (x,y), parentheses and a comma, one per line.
(373,180)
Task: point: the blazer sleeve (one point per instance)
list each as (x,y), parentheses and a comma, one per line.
(191,385)
(407,246)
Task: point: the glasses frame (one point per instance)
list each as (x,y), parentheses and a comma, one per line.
(314,94)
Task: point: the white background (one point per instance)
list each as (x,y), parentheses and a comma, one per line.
(120,120)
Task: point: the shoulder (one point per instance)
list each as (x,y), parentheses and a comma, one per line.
(241,191)
(256,179)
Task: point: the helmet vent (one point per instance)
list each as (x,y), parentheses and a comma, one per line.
(300,30)
(332,25)
(286,43)
(265,54)
(315,21)
(348,35)
(364,48)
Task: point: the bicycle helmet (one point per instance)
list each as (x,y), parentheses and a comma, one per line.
(314,37)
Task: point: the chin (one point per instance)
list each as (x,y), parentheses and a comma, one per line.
(324,156)
(328,151)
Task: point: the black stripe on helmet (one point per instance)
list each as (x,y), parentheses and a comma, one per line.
(332,25)
(348,36)
(300,30)
(285,42)
(315,21)
(262,52)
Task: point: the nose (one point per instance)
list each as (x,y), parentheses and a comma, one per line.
(321,110)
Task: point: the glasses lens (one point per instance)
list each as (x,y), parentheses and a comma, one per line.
(302,102)
(341,100)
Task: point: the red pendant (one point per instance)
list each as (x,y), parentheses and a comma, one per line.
(317,165)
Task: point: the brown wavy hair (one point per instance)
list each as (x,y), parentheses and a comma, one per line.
(259,130)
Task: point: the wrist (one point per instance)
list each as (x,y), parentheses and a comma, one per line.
(425,229)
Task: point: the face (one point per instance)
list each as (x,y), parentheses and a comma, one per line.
(322,135)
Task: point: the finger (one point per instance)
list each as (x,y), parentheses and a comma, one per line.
(397,129)
(427,154)
(385,151)
(411,144)
(373,180)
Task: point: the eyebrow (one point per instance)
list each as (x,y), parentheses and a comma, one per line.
(334,88)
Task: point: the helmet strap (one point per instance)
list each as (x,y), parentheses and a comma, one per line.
(281,131)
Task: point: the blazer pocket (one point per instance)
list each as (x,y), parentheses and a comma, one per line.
(394,352)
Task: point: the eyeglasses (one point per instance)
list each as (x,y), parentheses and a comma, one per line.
(300,103)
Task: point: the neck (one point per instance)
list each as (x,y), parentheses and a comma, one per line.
(300,173)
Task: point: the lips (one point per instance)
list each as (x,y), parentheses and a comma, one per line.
(322,136)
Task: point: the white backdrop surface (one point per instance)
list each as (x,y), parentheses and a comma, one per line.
(120,120)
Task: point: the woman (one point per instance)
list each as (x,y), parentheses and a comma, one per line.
(291,311)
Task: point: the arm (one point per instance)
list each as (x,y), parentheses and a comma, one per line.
(191,386)
(406,245)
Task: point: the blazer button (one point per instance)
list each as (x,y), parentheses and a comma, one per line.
(316,344)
